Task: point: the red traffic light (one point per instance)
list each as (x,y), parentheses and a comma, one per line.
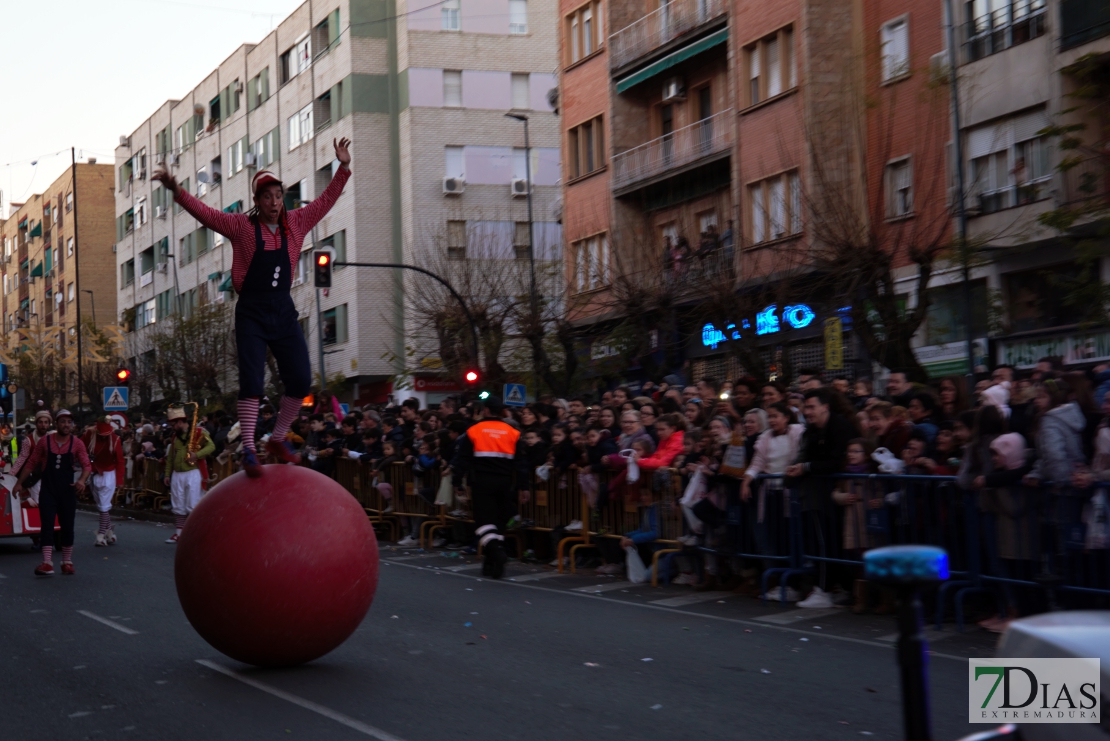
(472,376)
(122,375)
(323,258)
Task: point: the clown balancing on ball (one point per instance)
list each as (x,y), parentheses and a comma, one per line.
(266,246)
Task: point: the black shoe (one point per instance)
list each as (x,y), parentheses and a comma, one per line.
(494,566)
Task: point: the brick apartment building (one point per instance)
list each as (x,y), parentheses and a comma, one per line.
(422,92)
(57,257)
(806,120)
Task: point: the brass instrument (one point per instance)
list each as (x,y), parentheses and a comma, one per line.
(194,442)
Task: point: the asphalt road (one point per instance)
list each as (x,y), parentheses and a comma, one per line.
(545,657)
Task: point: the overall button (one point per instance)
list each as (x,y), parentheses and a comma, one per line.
(274,284)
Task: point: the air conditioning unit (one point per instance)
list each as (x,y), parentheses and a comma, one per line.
(250,160)
(175,158)
(518,187)
(114,248)
(160,159)
(674,89)
(938,68)
(453,186)
(238,86)
(164,267)
(124,140)
(159,212)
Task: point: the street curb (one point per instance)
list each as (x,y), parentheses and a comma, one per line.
(119,513)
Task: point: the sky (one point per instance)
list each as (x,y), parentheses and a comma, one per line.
(82,73)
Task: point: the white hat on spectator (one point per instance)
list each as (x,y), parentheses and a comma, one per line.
(998,396)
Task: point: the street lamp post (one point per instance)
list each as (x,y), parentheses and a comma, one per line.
(531,229)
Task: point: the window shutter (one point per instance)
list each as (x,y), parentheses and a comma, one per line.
(119,228)
(335,98)
(225,104)
(252,91)
(341,323)
(264,85)
(333,27)
(339,244)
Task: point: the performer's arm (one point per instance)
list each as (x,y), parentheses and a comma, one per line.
(81,453)
(218,221)
(36,456)
(310,215)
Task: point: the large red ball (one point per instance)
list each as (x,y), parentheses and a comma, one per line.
(277,570)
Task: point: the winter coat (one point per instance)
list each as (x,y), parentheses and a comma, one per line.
(1059,443)
(763,443)
(664,456)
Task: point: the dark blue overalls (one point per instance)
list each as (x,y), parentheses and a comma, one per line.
(265,316)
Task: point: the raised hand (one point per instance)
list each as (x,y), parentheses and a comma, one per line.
(342,150)
(167,180)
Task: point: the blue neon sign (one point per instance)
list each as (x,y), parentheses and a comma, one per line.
(768,321)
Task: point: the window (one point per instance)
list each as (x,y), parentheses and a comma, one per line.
(296,194)
(944,318)
(215,171)
(71,294)
(898,186)
(1009,164)
(769,66)
(285,67)
(258,89)
(7,285)
(452,88)
(335,325)
(585,146)
(325,174)
(520,92)
(591,263)
(162,251)
(456,239)
(449,16)
(214,110)
(177,206)
(583,32)
(235,156)
(774,207)
(140,212)
(304,268)
(125,175)
(69,202)
(1035,299)
(995,25)
(896,49)
(138,164)
(522,235)
(303,54)
(127,273)
(300,127)
(454,165)
(267,150)
(518,16)
(321,112)
(69,247)
(202,182)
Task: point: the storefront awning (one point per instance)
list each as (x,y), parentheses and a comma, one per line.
(226,285)
(672,59)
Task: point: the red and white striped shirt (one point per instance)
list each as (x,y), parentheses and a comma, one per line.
(239,229)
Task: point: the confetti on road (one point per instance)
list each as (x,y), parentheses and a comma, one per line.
(747,630)
(647,659)
(803,639)
(473,613)
(656,706)
(590,663)
(817,627)
(467,625)
(394,617)
(764,671)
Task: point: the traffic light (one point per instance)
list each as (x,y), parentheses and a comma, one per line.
(322,261)
(472,377)
(483,395)
(123,377)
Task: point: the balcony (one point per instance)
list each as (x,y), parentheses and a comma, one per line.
(674,19)
(704,141)
(1082,21)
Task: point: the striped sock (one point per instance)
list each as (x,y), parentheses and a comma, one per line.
(179,522)
(67,554)
(290,408)
(48,554)
(248,419)
(105,522)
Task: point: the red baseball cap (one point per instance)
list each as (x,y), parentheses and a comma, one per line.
(263,178)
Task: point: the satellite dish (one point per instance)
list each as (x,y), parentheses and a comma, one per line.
(202,177)
(58,298)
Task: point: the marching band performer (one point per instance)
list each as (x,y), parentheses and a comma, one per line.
(186,469)
(106,451)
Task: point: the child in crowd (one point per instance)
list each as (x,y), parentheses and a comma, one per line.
(599,443)
(379,472)
(332,446)
(864,513)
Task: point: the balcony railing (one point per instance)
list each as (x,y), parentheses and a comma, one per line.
(687,145)
(1010,24)
(673,19)
(1082,21)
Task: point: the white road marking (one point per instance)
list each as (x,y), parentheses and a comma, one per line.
(610,587)
(536,577)
(686,599)
(464,567)
(932,635)
(348,721)
(109,623)
(708,616)
(794,616)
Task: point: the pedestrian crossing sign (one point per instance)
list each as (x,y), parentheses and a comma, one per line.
(115,398)
(514,394)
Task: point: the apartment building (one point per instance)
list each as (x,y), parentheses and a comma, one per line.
(421,92)
(1021,61)
(715,134)
(57,260)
